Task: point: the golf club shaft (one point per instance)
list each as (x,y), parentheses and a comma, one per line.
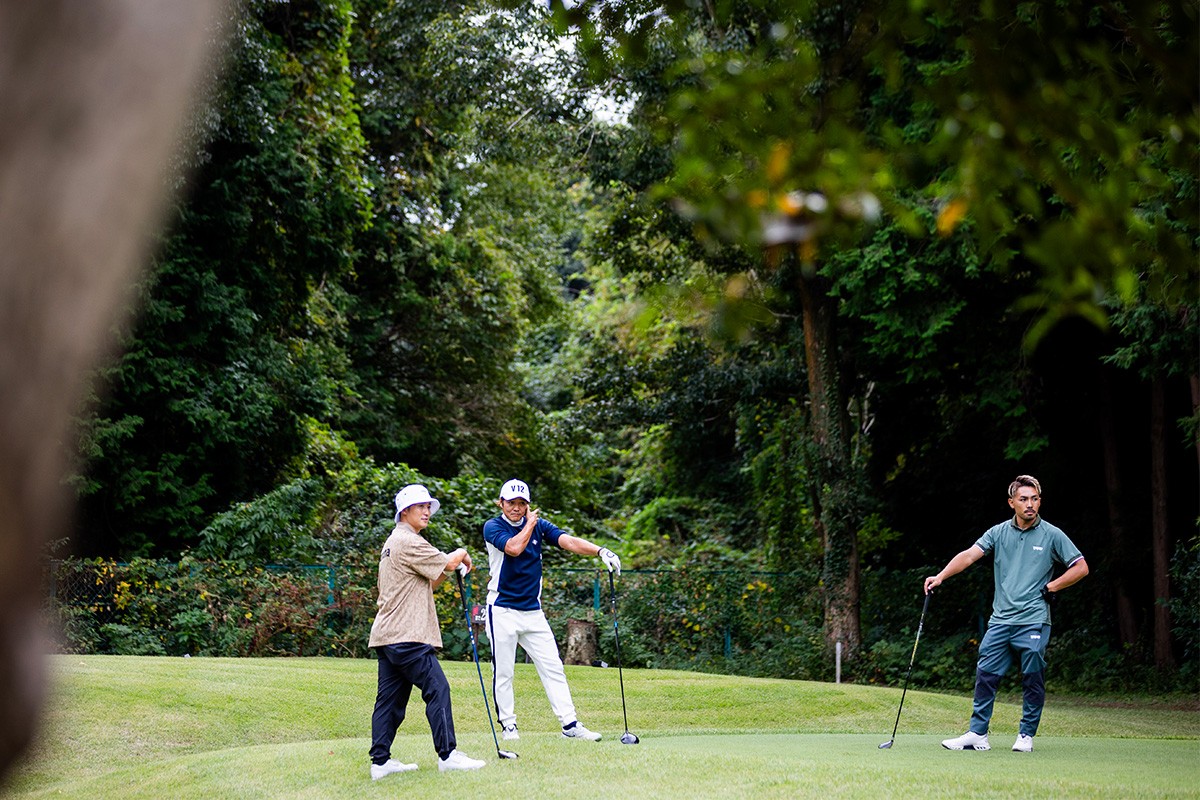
(911,661)
(612,593)
(475,654)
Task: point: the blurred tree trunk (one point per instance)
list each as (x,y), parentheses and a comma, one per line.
(834,492)
(96,97)
(1160,535)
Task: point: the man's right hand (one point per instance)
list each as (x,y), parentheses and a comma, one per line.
(931,583)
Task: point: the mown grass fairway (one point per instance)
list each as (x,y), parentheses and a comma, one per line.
(128,727)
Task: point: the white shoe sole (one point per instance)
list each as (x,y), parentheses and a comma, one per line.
(967,747)
(404,768)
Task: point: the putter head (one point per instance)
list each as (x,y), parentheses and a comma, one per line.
(629,738)
(887,745)
(507,754)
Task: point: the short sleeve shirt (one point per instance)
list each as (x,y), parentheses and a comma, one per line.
(408,566)
(1024,563)
(516,581)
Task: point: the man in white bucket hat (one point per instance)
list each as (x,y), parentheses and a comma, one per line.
(406,636)
(514,602)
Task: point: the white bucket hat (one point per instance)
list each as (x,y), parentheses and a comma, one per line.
(514,489)
(413,494)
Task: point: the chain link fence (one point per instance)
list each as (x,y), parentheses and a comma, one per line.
(749,622)
(743,622)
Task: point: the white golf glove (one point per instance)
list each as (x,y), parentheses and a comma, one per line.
(462,569)
(610,560)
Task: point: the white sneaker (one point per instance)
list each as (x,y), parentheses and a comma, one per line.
(392,765)
(577,731)
(968,741)
(458,760)
(510,733)
(1023,744)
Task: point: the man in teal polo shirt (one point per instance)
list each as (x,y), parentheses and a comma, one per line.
(1025,550)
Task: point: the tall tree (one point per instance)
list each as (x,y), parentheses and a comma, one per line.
(1059,132)
(1161,343)
(230,349)
(471,117)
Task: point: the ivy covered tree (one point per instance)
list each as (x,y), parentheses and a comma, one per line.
(232,348)
(472,120)
(377,214)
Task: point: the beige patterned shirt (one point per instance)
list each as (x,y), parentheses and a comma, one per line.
(408,566)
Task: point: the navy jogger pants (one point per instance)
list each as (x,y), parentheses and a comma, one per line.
(401,667)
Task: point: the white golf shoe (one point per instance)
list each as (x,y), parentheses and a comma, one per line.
(1023,744)
(577,731)
(510,733)
(458,760)
(968,741)
(387,768)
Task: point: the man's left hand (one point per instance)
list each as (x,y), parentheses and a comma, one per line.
(1050,596)
(610,560)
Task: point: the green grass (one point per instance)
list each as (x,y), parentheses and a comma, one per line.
(129,727)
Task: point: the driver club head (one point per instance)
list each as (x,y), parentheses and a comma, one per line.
(886,745)
(629,738)
(506,754)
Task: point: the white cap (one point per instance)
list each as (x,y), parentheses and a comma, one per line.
(514,489)
(413,494)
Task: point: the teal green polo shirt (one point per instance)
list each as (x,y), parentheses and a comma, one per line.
(1024,563)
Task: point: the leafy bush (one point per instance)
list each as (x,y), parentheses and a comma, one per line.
(730,621)
(210,608)
(1185,609)
(126,641)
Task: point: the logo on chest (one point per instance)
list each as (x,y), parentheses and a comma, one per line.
(1038,548)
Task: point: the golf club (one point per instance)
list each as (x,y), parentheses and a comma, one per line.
(911,660)
(458,574)
(627,737)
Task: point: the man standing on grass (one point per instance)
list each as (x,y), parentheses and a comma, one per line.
(1025,550)
(514,604)
(406,636)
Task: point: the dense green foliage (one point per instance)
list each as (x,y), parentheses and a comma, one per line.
(409,249)
(730,621)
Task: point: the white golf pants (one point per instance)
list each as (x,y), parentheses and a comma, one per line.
(507,628)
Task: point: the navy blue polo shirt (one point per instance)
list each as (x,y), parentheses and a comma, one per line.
(516,581)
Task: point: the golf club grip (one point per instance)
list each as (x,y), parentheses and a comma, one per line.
(920,627)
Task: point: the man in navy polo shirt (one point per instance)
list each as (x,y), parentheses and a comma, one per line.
(1025,550)
(515,540)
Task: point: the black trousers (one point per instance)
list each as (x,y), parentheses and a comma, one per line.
(401,667)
